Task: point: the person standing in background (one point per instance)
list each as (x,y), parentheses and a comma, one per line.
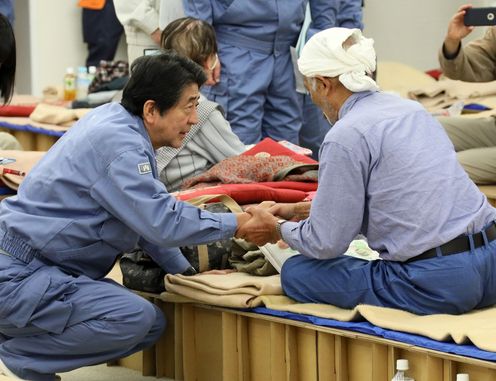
(169,10)
(101,31)
(345,14)
(140,21)
(256,87)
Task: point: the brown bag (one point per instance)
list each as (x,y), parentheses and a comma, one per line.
(214,255)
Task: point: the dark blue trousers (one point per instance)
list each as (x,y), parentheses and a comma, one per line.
(102,32)
(451,284)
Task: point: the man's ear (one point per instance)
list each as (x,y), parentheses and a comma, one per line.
(149,110)
(324,84)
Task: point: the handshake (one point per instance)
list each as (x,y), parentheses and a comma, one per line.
(258,224)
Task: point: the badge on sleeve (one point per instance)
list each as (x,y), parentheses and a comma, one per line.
(144,168)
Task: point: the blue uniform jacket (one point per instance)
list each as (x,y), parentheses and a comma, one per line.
(96,194)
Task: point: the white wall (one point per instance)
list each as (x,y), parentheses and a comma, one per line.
(49,39)
(49,35)
(412,31)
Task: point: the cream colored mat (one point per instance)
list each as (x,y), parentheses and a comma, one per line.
(242,290)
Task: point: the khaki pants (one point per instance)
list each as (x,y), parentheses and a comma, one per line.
(475,143)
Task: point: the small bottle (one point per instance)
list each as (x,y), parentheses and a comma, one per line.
(462,377)
(401,367)
(82,84)
(91,73)
(69,84)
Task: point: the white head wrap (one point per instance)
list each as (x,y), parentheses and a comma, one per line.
(324,55)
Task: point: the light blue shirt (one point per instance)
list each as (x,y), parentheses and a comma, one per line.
(388,171)
(96,194)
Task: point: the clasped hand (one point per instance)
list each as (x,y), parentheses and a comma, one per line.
(260,227)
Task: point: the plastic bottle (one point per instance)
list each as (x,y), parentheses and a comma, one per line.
(91,73)
(401,367)
(69,84)
(82,84)
(462,377)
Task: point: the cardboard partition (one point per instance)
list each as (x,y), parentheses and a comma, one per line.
(205,343)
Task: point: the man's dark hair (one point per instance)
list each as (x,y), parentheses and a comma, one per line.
(160,78)
(7,59)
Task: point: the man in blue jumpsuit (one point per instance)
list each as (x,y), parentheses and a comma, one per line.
(96,194)
(257,85)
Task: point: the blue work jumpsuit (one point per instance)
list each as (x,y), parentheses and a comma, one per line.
(94,195)
(257,85)
(345,14)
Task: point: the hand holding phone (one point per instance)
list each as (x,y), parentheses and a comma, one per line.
(480,16)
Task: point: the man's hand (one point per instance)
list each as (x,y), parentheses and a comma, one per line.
(457,31)
(156,36)
(294,212)
(260,228)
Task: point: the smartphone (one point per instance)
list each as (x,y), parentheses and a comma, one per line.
(480,16)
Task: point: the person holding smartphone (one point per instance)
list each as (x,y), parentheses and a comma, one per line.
(474,138)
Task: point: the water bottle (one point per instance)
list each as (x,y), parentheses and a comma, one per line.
(69,84)
(401,367)
(91,73)
(82,84)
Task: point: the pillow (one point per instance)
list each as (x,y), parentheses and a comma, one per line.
(245,193)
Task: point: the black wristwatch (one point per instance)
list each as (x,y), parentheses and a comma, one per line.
(189,271)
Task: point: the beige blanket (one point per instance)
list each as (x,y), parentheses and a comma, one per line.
(61,116)
(446,92)
(242,290)
(239,290)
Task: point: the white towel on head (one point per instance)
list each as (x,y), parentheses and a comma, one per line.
(324,55)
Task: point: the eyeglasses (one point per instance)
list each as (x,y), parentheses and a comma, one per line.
(216,60)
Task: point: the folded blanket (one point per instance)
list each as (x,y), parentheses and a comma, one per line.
(245,169)
(45,113)
(239,290)
(242,290)
(444,93)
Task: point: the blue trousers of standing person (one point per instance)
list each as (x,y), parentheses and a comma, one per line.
(257,91)
(452,284)
(314,125)
(51,321)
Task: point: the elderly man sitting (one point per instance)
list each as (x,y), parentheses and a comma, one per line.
(388,171)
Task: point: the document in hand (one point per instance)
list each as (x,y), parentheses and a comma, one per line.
(277,256)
